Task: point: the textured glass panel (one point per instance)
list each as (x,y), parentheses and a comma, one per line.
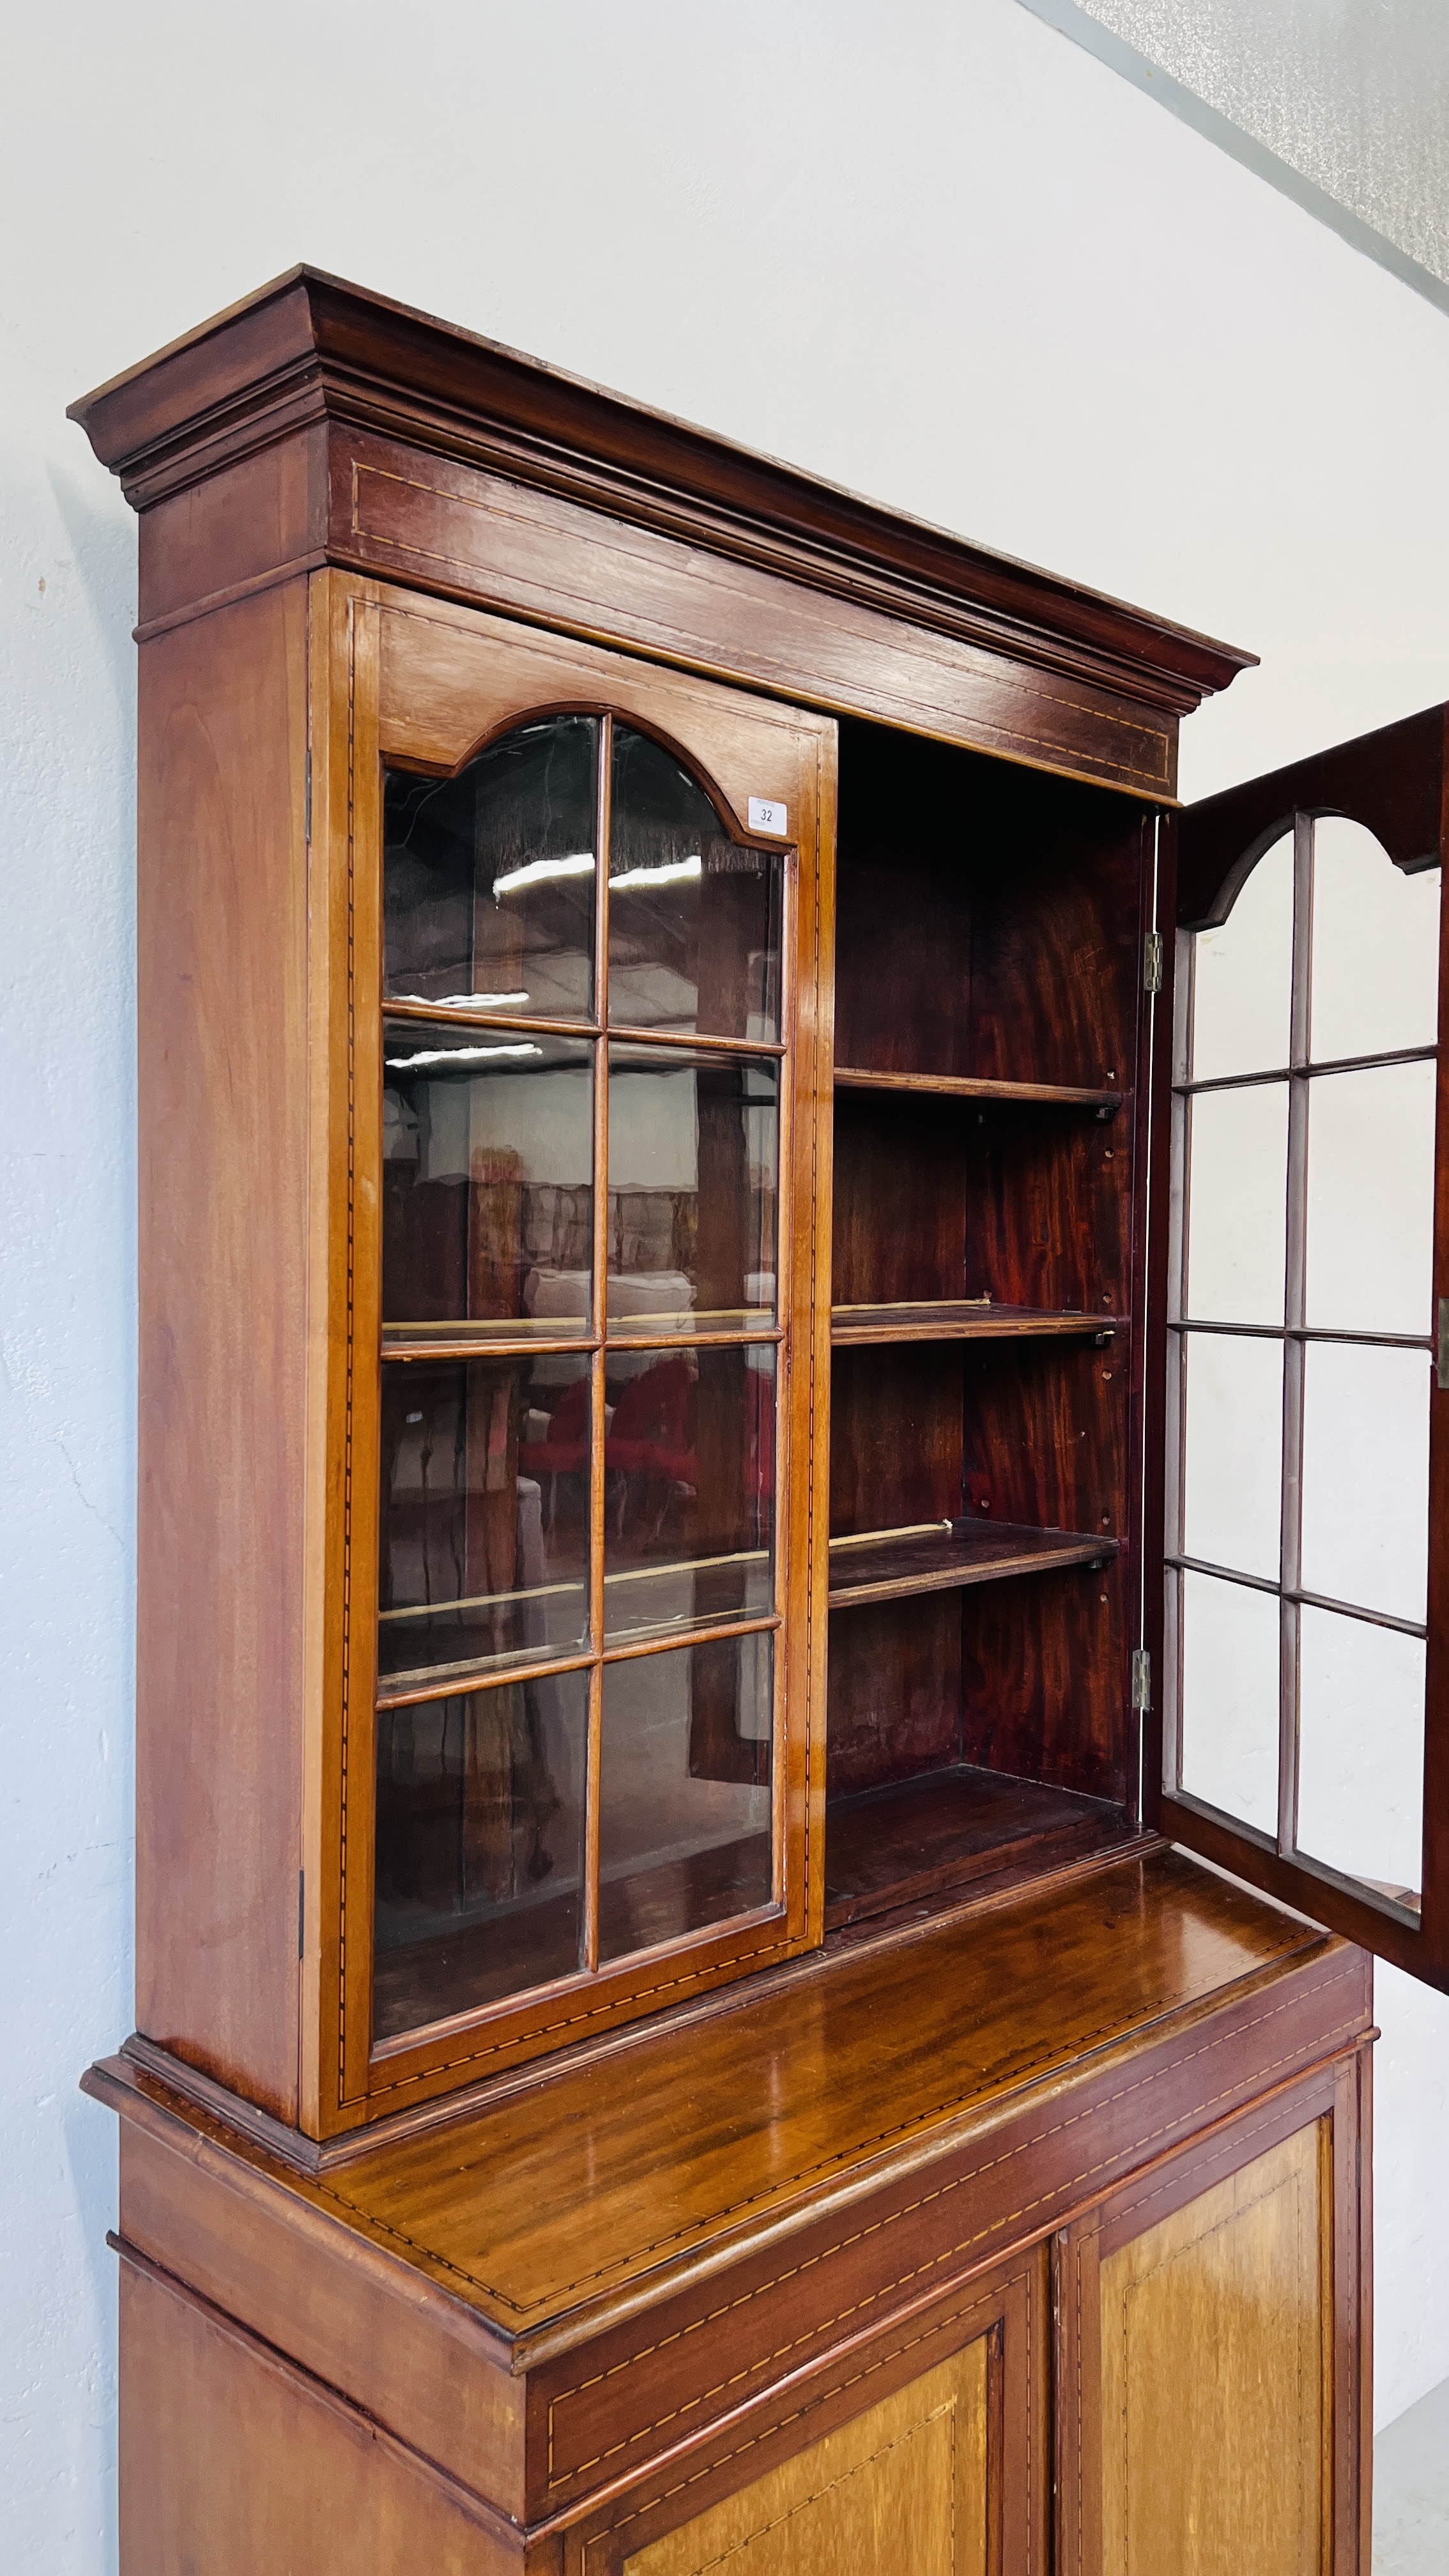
(1237,1201)
(694,919)
(690,1488)
(694,1146)
(487,1179)
(1233,1453)
(488,878)
(1361,1752)
(1371,1199)
(485,1512)
(480,1848)
(1366,1476)
(1229,1712)
(1375,947)
(1242,991)
(684,1810)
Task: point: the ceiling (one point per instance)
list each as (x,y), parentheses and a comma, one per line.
(1343,104)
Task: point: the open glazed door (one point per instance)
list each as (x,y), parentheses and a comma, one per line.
(1302,1326)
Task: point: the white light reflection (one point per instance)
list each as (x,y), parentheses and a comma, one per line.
(462,1001)
(669,874)
(534,871)
(455,1055)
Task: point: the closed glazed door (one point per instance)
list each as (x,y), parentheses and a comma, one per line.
(902,2487)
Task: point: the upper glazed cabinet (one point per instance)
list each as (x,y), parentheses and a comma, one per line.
(734,1345)
(579,1053)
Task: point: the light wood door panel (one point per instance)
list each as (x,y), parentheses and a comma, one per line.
(902,2487)
(1216,2377)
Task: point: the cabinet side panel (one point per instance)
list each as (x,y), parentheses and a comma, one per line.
(232,2463)
(222,938)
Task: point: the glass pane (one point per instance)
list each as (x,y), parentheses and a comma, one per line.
(487,1179)
(1375,947)
(488,878)
(1237,1199)
(1233,1453)
(1366,1476)
(684,1807)
(1229,1712)
(1242,991)
(1371,1199)
(690,1488)
(1361,1752)
(480,1848)
(694,919)
(485,1512)
(694,1147)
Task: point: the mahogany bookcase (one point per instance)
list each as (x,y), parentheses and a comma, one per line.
(701,1568)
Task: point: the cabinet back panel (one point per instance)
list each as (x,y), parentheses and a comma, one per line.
(989,918)
(940,1199)
(894,1699)
(1048,1208)
(1045,1435)
(895,1436)
(899,1224)
(1044,1678)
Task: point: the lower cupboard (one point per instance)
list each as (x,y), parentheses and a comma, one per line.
(1037,2309)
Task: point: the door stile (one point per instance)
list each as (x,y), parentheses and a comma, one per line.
(598,1382)
(1295,1316)
(1164,1379)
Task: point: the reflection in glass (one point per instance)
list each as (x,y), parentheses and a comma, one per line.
(487,1179)
(1229,1705)
(1366,1476)
(1243,976)
(684,1811)
(1375,947)
(485,1512)
(694,919)
(1237,1244)
(1233,1453)
(488,878)
(694,1145)
(1361,1752)
(1371,1199)
(689,1466)
(480,1848)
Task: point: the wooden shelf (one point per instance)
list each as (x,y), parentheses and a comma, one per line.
(892,1846)
(960,1319)
(954,1086)
(894,1564)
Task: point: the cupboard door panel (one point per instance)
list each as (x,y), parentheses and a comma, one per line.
(1216,2377)
(903,2486)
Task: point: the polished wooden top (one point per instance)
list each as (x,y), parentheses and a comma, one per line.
(566,2195)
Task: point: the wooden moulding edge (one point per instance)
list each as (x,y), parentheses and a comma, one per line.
(309,344)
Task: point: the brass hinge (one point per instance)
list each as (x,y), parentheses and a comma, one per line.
(301,1913)
(1141,1678)
(1152,962)
(307,829)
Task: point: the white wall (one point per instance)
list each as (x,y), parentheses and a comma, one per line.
(930,249)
